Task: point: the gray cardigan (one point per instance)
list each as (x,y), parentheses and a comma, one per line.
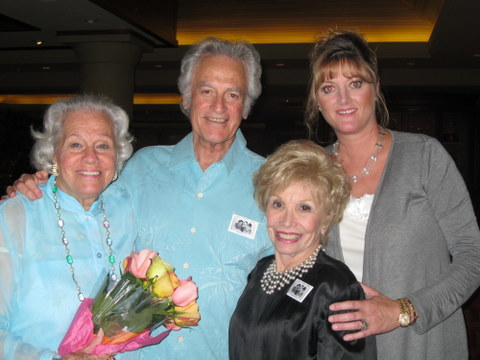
(422,242)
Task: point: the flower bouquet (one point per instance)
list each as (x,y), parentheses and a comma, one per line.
(147,295)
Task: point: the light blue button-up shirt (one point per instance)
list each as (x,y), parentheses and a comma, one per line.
(38,298)
(207,225)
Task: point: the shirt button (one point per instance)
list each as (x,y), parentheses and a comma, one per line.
(200,195)
(99,255)
(180,339)
(186,266)
(193,230)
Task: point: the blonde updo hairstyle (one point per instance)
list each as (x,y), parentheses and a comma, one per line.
(308,163)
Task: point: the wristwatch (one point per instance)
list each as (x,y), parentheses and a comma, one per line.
(408,315)
(404,319)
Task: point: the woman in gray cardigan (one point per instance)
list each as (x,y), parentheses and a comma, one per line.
(409,232)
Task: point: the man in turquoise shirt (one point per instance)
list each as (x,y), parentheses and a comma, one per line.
(194,201)
(189,216)
(191,197)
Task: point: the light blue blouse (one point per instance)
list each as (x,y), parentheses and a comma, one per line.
(38,298)
(207,225)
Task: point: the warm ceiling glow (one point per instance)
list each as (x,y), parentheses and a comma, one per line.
(35,99)
(420,34)
(47,99)
(156,99)
(303,21)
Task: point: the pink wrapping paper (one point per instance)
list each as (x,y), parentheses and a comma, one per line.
(80,334)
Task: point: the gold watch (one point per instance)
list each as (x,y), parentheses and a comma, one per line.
(405,317)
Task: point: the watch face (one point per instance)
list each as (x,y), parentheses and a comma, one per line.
(404,319)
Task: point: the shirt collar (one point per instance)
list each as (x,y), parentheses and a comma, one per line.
(67,201)
(183,151)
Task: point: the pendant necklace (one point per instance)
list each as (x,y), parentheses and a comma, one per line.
(273,280)
(371,160)
(69,258)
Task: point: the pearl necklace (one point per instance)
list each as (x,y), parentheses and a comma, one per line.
(69,258)
(275,280)
(371,160)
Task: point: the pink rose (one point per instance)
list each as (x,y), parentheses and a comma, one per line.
(170,325)
(185,293)
(140,262)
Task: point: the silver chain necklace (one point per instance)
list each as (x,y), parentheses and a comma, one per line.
(273,280)
(371,160)
(69,258)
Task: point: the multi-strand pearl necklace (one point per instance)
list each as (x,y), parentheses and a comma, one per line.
(371,160)
(69,258)
(275,280)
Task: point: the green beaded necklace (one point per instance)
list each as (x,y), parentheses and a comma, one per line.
(69,258)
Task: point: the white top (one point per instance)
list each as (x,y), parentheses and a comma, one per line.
(352,232)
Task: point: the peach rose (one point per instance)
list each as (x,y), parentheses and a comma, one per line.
(163,287)
(187,315)
(158,268)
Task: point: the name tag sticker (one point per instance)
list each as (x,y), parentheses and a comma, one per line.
(299,290)
(243,226)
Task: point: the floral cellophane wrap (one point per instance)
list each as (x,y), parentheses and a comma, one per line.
(147,295)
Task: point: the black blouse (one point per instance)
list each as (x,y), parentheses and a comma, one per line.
(278,326)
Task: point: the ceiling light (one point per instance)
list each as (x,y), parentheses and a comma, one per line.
(39,42)
(46,68)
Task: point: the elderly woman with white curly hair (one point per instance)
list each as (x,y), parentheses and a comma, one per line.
(53,250)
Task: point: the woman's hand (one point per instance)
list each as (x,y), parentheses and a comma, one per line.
(85,353)
(27,184)
(376,315)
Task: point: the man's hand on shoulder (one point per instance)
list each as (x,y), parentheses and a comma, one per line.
(27,184)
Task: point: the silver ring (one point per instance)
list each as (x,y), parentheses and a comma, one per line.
(364,325)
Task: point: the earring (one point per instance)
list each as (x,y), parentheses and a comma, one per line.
(323,230)
(115,177)
(54,170)
(319,109)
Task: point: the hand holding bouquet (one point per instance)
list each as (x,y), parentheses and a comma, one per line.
(147,295)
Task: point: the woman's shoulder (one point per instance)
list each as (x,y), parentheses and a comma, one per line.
(20,201)
(419,145)
(261,265)
(400,137)
(264,261)
(334,271)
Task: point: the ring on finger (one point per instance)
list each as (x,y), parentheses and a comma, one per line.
(364,325)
